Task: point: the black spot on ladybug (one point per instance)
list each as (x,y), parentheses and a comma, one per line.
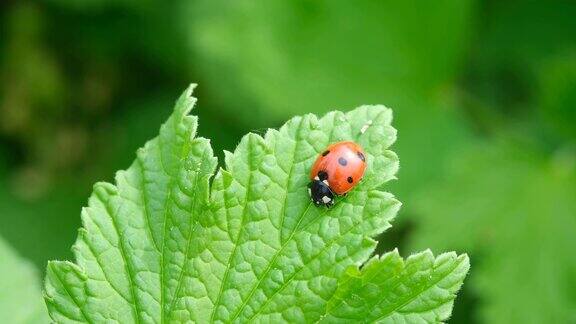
(323,175)
(325,152)
(342,161)
(350,180)
(361,156)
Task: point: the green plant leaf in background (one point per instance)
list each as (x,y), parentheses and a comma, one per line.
(165,245)
(305,47)
(338,54)
(519,216)
(20,294)
(332,54)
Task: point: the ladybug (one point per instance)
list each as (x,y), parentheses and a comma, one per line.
(336,171)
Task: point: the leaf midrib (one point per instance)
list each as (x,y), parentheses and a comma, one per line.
(147,212)
(188,244)
(293,232)
(165,222)
(189,240)
(267,270)
(240,231)
(320,253)
(285,243)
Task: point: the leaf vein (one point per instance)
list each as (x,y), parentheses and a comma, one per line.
(127,264)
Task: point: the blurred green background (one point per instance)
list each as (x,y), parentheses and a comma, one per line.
(484,95)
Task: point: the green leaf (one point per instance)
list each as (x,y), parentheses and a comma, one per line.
(166,245)
(389,289)
(336,54)
(295,47)
(20,296)
(516,211)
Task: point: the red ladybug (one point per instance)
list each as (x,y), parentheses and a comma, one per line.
(336,171)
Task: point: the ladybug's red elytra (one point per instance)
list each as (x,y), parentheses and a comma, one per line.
(336,171)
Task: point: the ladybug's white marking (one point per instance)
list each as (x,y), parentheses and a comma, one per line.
(316,178)
(326,199)
(366,126)
(326,182)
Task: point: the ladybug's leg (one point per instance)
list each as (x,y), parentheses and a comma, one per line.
(330,204)
(310,185)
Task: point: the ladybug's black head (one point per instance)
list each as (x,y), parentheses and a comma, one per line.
(320,192)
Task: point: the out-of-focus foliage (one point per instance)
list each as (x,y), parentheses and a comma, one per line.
(516,211)
(557,97)
(521,70)
(292,57)
(296,56)
(20,296)
(492,83)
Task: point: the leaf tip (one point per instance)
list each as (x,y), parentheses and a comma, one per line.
(186,101)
